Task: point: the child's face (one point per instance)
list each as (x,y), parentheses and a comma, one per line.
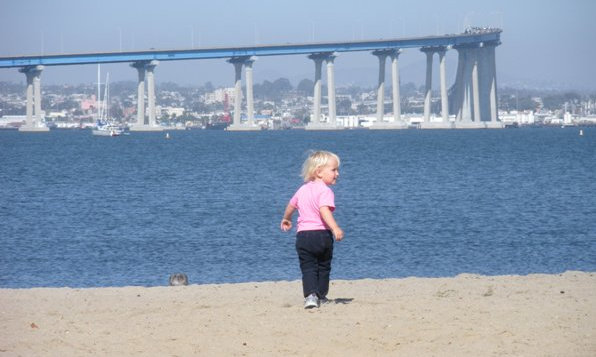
(329,173)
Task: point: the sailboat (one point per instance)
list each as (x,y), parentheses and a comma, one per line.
(105,126)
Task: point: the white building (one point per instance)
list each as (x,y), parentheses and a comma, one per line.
(169,111)
(12,121)
(521,117)
(219,95)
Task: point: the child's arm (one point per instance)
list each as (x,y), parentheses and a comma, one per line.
(330,221)
(286,221)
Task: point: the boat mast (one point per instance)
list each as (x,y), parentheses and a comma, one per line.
(98,92)
(107,96)
(104,112)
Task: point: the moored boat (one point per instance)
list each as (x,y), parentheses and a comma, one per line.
(105,126)
(107,130)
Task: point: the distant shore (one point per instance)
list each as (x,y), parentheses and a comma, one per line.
(469,315)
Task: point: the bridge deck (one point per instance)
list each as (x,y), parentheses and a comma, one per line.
(265,50)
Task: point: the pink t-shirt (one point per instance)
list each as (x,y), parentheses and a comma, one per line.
(309,198)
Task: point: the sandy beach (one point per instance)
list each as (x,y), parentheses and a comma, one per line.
(469,315)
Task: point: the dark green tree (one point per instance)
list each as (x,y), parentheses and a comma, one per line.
(305,86)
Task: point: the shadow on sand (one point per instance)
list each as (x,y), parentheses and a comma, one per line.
(343,301)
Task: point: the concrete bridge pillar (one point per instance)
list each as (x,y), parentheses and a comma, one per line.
(429,51)
(37,96)
(492,64)
(475,95)
(250,108)
(315,119)
(395,86)
(237,125)
(382,56)
(331,89)
(463,98)
(146,73)
(475,85)
(33,106)
(140,66)
(29,123)
(443,75)
(444,123)
(395,122)
(237,92)
(467,113)
(150,68)
(455,102)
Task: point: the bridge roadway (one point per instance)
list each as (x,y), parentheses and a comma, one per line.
(473,91)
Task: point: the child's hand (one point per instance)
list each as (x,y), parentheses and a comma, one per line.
(285,225)
(338,233)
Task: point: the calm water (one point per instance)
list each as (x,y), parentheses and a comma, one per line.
(81,211)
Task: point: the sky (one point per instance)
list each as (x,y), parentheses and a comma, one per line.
(545,44)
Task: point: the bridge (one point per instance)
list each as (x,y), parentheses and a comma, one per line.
(472,97)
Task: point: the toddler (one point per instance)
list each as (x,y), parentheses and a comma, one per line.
(315,202)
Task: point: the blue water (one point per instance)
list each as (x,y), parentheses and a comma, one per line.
(84,211)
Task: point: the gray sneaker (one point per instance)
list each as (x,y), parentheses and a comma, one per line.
(311,301)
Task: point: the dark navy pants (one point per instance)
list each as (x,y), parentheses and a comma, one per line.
(315,251)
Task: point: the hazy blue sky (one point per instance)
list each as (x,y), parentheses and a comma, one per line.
(543,42)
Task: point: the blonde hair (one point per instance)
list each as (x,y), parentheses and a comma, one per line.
(315,160)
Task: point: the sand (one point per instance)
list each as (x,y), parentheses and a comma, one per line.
(469,315)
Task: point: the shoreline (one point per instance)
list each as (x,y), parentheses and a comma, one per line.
(466,315)
(298,281)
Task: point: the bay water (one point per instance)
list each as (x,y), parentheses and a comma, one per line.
(84,211)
